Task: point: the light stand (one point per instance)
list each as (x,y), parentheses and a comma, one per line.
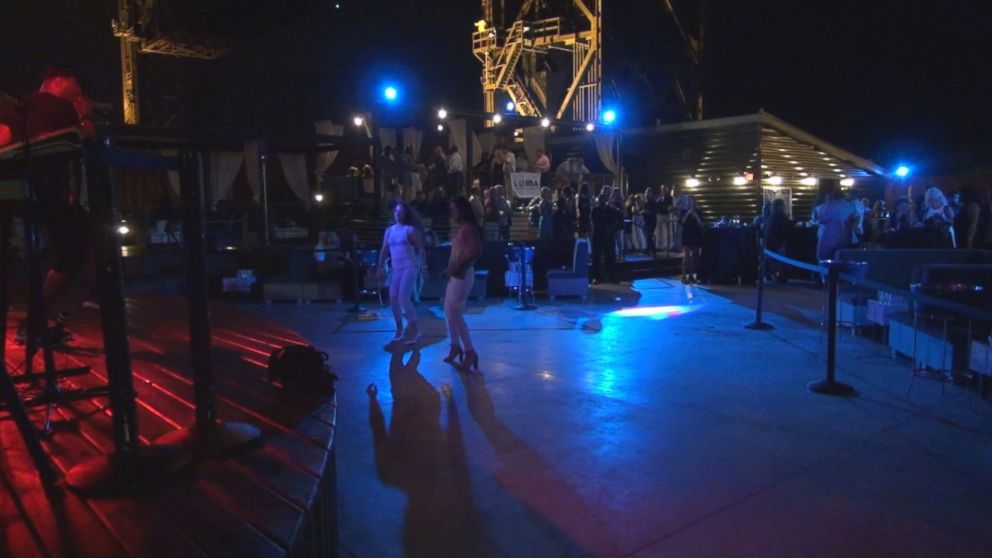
(521,297)
(356,268)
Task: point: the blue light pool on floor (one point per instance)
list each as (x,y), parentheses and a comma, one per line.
(653,312)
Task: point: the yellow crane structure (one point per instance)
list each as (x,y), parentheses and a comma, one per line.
(139,30)
(511,52)
(510,56)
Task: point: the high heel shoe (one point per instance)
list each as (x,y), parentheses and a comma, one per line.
(454,353)
(470,360)
(416,339)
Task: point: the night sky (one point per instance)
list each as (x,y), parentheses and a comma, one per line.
(888,80)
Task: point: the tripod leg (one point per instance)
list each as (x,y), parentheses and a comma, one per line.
(7,390)
(37,312)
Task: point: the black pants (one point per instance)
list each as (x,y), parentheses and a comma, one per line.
(604,248)
(649,226)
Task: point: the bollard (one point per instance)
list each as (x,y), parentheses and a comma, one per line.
(830,386)
(209,436)
(757,323)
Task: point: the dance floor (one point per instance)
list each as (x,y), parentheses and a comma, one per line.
(253,503)
(647,422)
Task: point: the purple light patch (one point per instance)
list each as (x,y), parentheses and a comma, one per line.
(653,312)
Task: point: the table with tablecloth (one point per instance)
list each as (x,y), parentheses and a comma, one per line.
(729,255)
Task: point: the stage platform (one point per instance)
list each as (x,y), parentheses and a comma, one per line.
(646,422)
(271,499)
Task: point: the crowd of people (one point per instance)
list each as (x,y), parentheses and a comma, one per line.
(925,218)
(405,177)
(642,223)
(568,208)
(663,218)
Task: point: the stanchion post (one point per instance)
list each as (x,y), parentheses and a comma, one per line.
(830,386)
(131,466)
(757,323)
(110,277)
(522,298)
(208,436)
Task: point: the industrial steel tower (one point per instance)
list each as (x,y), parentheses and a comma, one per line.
(517,55)
(142,27)
(526,46)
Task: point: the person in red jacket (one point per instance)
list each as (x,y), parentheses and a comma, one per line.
(59,104)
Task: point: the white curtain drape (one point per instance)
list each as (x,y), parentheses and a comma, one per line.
(476,150)
(294,168)
(387,137)
(413,138)
(605,142)
(252,169)
(488,141)
(172,175)
(456,136)
(367,126)
(224,167)
(534,139)
(325,158)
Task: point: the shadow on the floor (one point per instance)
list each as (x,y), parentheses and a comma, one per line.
(539,483)
(427,462)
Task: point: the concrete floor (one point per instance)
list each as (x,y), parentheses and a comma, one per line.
(662,429)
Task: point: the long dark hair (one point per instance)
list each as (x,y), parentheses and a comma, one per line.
(410,216)
(466,215)
(464,209)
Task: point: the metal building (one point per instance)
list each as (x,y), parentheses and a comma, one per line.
(718,161)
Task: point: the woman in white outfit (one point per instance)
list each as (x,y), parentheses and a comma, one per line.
(466,246)
(403,244)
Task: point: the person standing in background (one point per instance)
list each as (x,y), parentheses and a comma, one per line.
(664,227)
(680,203)
(836,219)
(649,211)
(456,171)
(692,241)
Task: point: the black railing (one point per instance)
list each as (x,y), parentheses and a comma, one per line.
(851,272)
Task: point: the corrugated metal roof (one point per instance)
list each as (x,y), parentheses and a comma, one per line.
(717,153)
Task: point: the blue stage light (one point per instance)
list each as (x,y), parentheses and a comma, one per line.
(609,116)
(902,171)
(390,93)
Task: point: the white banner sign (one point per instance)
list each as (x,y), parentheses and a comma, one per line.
(526,184)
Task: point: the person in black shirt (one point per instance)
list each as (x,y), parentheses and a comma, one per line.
(564,220)
(692,241)
(606,221)
(966,220)
(777,228)
(584,210)
(666,220)
(58,104)
(650,214)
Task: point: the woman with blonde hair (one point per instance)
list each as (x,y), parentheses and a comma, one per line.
(937,214)
(936,206)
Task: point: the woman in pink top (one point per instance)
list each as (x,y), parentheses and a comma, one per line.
(466,246)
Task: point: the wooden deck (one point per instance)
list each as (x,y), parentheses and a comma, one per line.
(275,498)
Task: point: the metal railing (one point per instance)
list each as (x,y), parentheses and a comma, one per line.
(836,271)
